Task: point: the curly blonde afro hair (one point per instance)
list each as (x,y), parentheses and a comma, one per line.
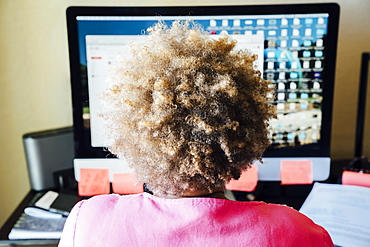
(186,110)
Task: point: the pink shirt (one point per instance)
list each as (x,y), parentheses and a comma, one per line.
(146,220)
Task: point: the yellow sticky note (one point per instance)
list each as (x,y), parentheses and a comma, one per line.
(356,178)
(296,172)
(93,182)
(125,183)
(247,181)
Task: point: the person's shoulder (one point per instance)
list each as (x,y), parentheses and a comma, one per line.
(108,201)
(279,216)
(290,224)
(102,198)
(272,207)
(283,213)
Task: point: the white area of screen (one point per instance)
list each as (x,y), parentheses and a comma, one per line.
(101,52)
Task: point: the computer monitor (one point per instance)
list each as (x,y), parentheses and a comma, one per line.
(296,45)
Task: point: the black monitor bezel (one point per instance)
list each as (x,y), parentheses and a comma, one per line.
(82,141)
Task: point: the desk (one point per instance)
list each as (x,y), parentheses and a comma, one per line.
(28,200)
(270,192)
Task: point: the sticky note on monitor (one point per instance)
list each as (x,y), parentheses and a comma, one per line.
(125,183)
(356,178)
(93,182)
(247,181)
(296,172)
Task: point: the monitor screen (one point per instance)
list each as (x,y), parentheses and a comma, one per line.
(296,48)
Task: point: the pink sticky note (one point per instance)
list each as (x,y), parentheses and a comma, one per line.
(356,178)
(93,182)
(247,181)
(296,172)
(125,183)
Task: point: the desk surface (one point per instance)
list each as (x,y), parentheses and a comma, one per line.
(270,192)
(29,243)
(29,199)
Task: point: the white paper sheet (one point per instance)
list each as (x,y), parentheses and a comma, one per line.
(343,210)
